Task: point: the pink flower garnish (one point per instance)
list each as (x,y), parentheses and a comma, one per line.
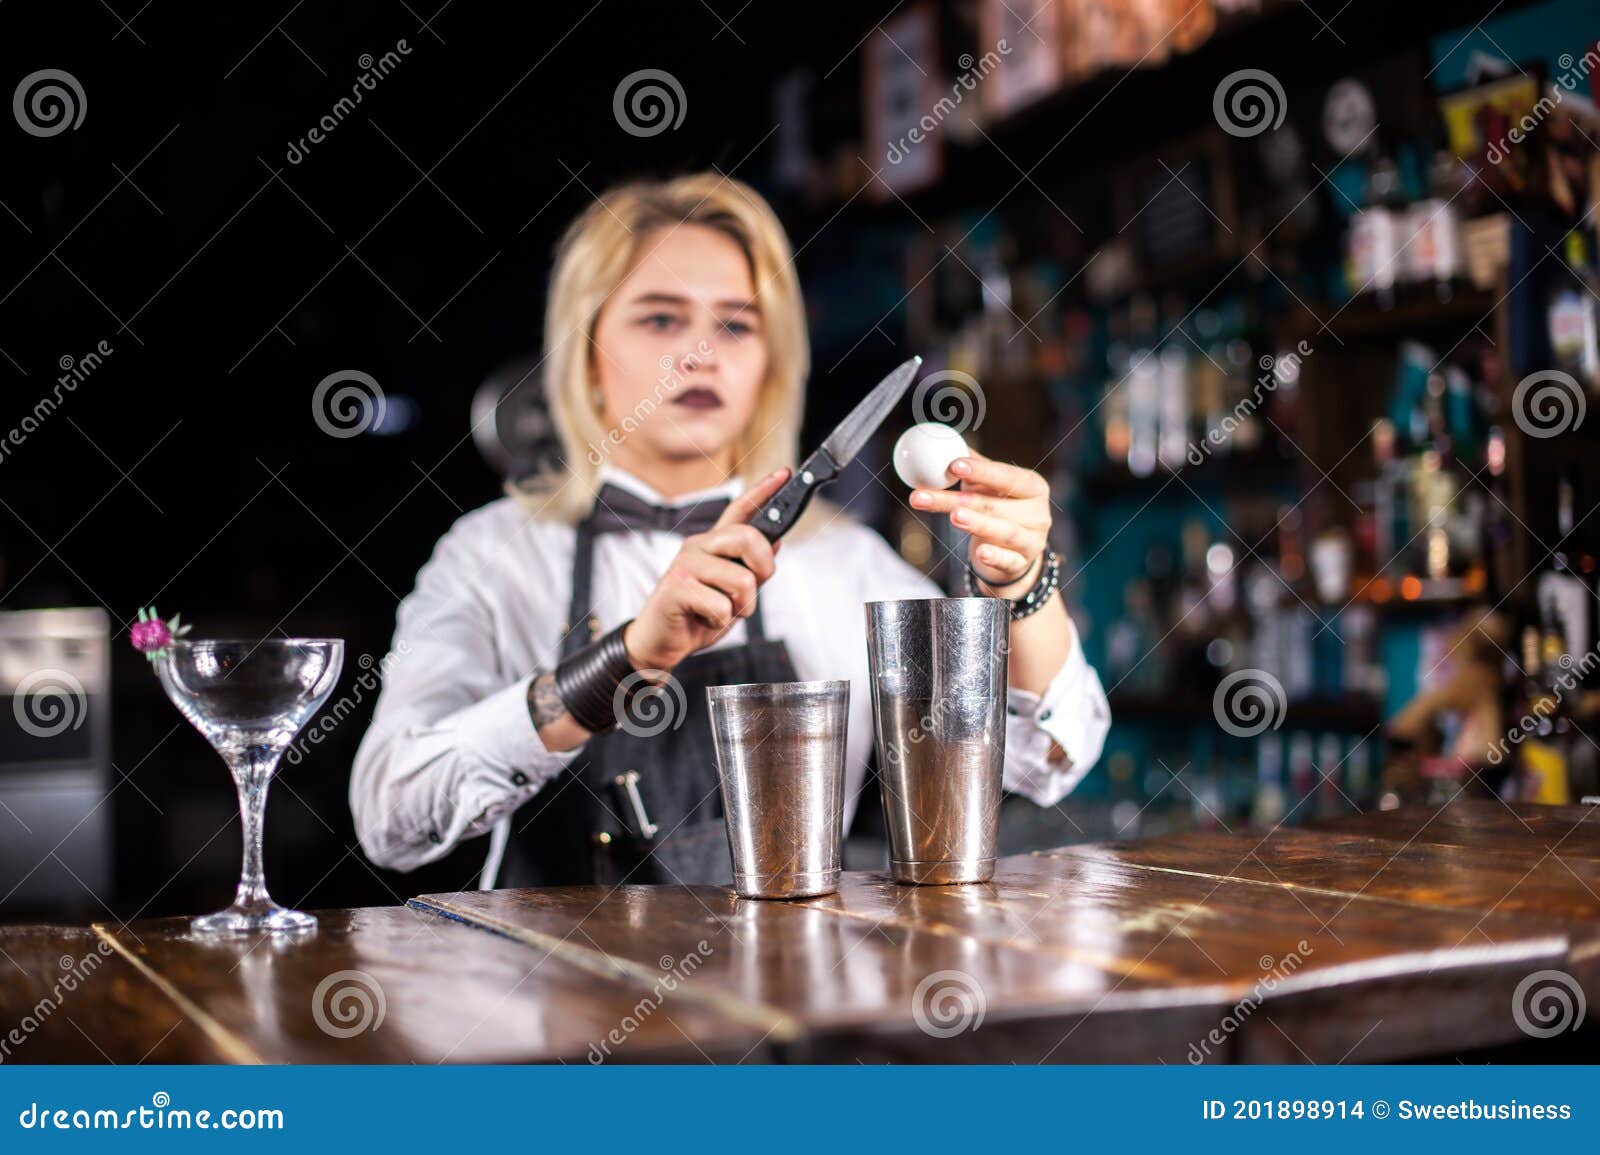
(151,636)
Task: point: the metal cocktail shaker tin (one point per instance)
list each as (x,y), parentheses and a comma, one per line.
(780,754)
(938,669)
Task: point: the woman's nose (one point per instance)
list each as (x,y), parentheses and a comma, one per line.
(703,355)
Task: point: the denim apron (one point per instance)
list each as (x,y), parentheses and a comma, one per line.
(641,807)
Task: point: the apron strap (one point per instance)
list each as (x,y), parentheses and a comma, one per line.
(580,630)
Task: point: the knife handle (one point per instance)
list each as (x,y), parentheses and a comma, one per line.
(780,513)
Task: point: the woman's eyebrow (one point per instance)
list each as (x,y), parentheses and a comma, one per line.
(733,304)
(659,299)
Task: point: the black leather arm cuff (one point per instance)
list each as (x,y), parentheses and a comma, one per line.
(588,681)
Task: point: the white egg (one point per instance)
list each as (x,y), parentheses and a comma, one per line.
(924,452)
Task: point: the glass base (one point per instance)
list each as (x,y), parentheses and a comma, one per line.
(250,920)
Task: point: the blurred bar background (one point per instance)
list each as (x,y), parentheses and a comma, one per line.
(1293,302)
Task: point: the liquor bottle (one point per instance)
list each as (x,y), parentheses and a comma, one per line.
(1173,376)
(1114,407)
(1209,387)
(1559,682)
(1390,520)
(1432,246)
(1330,800)
(1269,806)
(1583,771)
(1192,613)
(1358,775)
(1250,428)
(1126,811)
(1562,591)
(1532,691)
(1544,768)
(1373,246)
(1302,773)
(1497,527)
(1450,511)
(1560,560)
(1143,386)
(1230,626)
(1433,487)
(1227,365)
(1206,800)
(1572,319)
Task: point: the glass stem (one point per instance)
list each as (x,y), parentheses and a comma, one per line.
(252,773)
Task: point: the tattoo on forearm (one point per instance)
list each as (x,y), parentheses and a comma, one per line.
(544,704)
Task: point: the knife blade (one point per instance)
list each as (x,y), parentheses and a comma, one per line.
(837,450)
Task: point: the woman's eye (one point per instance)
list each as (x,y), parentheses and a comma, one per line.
(738,328)
(659,322)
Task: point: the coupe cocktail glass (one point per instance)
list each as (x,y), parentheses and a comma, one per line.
(250,699)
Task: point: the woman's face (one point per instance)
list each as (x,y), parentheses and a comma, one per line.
(679,349)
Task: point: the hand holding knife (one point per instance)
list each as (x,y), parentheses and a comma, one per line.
(779,514)
(689,609)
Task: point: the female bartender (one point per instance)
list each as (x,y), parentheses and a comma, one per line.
(675,362)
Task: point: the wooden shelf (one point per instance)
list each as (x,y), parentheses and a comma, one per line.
(974,172)
(1432,597)
(1362,318)
(1427,606)
(1256,470)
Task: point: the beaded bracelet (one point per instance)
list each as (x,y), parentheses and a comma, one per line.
(1034,600)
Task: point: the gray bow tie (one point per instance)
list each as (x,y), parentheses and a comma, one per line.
(617,509)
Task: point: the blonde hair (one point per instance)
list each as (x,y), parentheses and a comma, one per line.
(593,257)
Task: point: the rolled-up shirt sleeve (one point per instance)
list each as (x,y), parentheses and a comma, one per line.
(452,747)
(1052,739)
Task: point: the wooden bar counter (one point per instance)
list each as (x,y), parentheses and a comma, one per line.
(1402,935)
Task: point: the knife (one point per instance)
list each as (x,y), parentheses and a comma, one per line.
(778,516)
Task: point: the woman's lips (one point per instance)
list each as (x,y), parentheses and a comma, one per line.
(698,399)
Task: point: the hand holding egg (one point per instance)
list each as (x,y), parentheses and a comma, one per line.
(924,452)
(1005,508)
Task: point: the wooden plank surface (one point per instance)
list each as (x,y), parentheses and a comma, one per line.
(1336,980)
(833,988)
(1403,937)
(1568,831)
(66,996)
(1099,961)
(1510,889)
(1552,890)
(384,984)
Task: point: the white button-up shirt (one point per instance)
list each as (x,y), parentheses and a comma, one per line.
(452,751)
